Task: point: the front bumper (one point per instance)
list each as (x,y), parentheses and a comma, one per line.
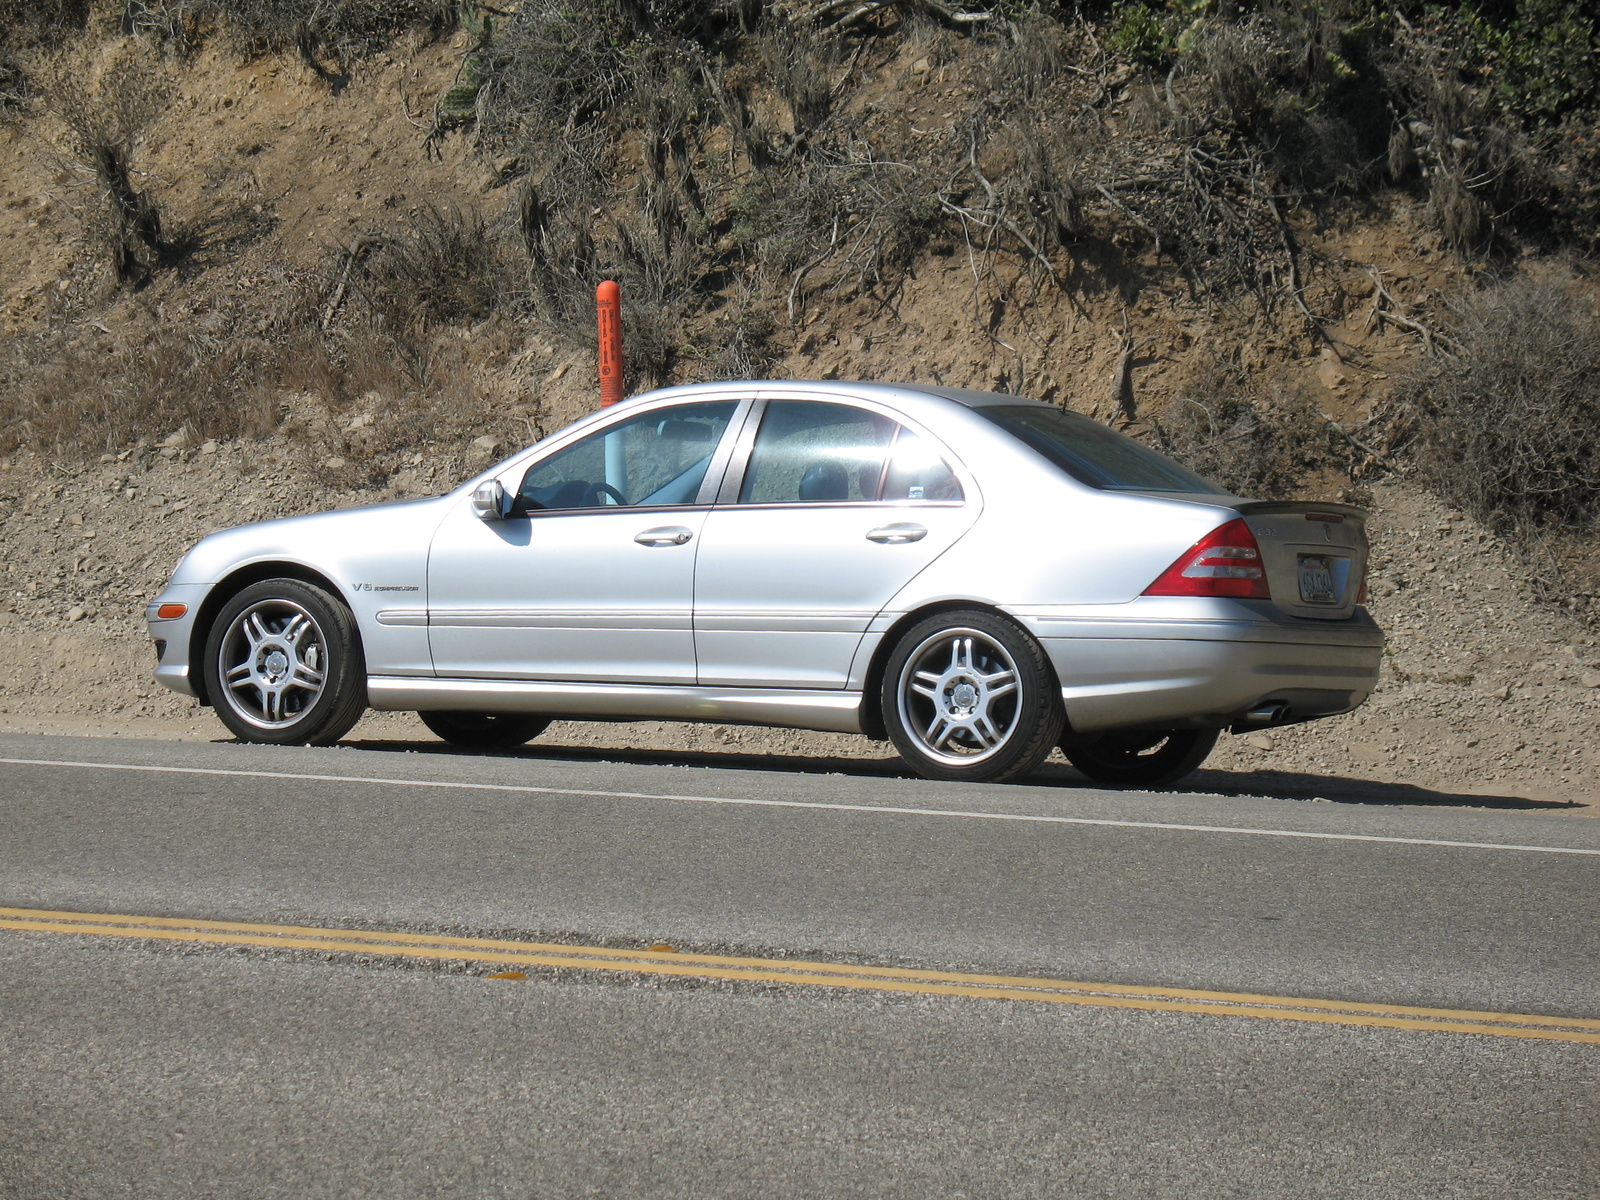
(175,636)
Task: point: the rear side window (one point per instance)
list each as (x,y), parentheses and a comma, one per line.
(810,452)
(916,472)
(1095,455)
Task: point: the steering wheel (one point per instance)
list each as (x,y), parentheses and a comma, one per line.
(605,489)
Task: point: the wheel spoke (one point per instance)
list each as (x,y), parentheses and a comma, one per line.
(273,708)
(926,677)
(983,728)
(254,629)
(1003,689)
(937,730)
(243,671)
(295,629)
(932,693)
(962,654)
(249,681)
(307,677)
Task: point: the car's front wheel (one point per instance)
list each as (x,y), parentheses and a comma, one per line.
(485,731)
(1139,758)
(284,667)
(969,696)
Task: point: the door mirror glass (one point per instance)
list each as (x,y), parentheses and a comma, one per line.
(657,458)
(809,452)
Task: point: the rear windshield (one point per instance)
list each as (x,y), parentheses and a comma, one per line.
(1093,454)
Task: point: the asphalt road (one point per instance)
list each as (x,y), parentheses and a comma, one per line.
(147,1069)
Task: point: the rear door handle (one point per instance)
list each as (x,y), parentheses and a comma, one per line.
(666,535)
(898,534)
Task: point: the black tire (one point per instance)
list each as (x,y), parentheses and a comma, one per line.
(1139,758)
(943,670)
(284,667)
(485,731)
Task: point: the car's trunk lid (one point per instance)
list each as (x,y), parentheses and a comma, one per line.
(1315,555)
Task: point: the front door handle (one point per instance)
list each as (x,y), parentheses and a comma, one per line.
(898,533)
(666,535)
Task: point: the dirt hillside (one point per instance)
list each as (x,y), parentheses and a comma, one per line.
(1487,692)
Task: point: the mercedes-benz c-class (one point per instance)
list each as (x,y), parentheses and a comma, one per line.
(976,577)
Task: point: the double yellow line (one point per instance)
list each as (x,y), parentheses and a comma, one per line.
(796,972)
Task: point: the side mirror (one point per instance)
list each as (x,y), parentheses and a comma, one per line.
(489,501)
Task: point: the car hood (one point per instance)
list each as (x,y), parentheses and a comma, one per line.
(313,540)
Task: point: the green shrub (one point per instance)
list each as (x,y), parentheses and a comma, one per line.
(1542,56)
(1140,34)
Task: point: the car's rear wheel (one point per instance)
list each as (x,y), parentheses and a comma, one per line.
(485,731)
(284,667)
(970,696)
(1139,758)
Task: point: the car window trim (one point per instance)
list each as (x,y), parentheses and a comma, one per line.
(728,451)
(739,461)
(874,504)
(604,510)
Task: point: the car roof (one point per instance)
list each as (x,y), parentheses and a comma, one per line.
(845,388)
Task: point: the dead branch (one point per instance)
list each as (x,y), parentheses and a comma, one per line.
(358,250)
(821,14)
(1295,287)
(1122,397)
(1381,314)
(1349,436)
(405,108)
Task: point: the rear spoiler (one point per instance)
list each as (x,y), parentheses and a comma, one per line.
(1297,508)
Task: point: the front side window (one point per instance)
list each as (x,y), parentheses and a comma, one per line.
(810,452)
(659,457)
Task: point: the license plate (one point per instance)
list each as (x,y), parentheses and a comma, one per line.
(1316,580)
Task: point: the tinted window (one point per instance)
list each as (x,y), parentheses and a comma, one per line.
(916,472)
(810,452)
(1093,454)
(658,457)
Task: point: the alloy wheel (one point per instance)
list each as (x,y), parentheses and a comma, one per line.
(273,661)
(958,696)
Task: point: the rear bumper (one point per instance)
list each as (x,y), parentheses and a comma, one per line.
(1210,682)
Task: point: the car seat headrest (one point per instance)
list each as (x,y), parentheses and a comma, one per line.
(825,480)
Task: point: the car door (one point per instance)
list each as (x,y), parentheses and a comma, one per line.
(830,510)
(590,576)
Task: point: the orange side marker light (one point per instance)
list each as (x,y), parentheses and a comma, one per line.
(171,612)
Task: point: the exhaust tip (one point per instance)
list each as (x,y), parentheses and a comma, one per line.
(1274,712)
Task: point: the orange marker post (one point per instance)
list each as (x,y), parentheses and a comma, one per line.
(608,314)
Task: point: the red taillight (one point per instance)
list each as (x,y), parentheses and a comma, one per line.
(1226,562)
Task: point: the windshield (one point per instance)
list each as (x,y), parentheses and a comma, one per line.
(1093,454)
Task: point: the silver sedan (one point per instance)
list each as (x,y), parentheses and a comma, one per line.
(975,577)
